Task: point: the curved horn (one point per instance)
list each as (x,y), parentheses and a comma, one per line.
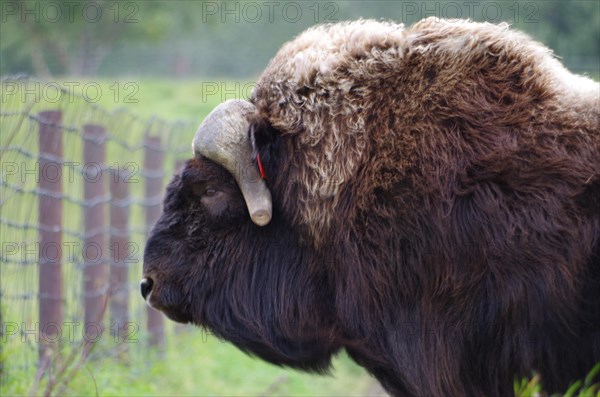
(222,137)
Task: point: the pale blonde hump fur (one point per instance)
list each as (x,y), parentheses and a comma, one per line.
(319,88)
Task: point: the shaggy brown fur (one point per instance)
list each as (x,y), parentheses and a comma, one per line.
(372,97)
(444,178)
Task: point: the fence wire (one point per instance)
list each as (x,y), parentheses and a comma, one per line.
(62,280)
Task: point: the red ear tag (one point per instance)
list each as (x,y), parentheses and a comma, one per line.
(261,169)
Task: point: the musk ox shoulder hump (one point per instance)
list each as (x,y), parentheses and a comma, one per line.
(356,102)
(320,50)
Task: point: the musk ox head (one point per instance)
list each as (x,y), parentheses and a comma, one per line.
(216,259)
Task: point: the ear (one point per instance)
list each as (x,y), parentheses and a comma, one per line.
(266,142)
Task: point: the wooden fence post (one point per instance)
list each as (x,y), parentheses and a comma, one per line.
(50,285)
(94,248)
(179,164)
(120,245)
(153,175)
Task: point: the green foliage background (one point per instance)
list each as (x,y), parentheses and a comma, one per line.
(208,39)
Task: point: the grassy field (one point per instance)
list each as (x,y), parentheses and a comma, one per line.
(167,99)
(195,364)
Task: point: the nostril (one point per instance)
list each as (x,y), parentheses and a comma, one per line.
(146,286)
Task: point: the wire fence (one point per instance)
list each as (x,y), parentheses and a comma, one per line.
(81,188)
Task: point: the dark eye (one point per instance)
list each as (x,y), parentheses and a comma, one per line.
(204,191)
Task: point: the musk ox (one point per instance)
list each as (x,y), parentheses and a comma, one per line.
(427,198)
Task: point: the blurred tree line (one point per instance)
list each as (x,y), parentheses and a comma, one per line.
(237,38)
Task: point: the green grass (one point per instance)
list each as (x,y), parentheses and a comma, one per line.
(587,387)
(197,365)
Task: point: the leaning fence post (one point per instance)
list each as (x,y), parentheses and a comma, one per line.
(153,174)
(50,284)
(94,254)
(120,246)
